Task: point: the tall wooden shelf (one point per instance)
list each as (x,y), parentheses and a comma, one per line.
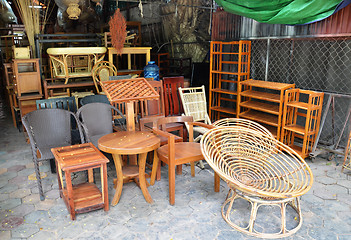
(302,114)
(262,101)
(229,65)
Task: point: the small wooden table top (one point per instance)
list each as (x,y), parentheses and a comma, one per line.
(75,156)
(129,143)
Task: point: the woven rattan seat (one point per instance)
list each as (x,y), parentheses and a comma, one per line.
(258,169)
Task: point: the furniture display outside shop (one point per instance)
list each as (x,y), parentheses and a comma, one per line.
(301,119)
(262,101)
(262,171)
(83,197)
(130,143)
(74,62)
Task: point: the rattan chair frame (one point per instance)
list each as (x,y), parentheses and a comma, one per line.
(95,73)
(259,169)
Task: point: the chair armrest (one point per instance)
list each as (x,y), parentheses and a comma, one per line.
(202,125)
(163,133)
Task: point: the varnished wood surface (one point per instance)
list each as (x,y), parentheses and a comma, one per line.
(267,84)
(81,155)
(129,142)
(86,196)
(185,152)
(128,90)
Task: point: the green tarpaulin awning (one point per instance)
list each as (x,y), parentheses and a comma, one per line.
(290,12)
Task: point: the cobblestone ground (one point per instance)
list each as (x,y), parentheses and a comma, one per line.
(196,214)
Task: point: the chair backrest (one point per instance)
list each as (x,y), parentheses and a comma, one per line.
(101,72)
(256,163)
(243,123)
(194,103)
(50,127)
(67,103)
(154,107)
(96,119)
(161,122)
(94,98)
(173,105)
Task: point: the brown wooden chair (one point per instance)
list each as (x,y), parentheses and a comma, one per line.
(177,153)
(154,109)
(173,104)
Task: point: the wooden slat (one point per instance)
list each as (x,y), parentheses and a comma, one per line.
(266,84)
(224,109)
(298,129)
(271,97)
(260,117)
(261,106)
(225,91)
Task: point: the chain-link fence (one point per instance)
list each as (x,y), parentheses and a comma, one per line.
(320,64)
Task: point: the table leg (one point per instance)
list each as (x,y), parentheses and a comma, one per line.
(104,190)
(142,179)
(70,195)
(154,168)
(118,164)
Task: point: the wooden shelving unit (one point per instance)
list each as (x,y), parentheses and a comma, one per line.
(262,101)
(302,114)
(229,65)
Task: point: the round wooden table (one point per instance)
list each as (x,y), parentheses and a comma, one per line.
(129,143)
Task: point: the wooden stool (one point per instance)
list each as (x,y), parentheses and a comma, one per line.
(83,197)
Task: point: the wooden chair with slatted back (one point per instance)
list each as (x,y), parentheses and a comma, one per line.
(173,106)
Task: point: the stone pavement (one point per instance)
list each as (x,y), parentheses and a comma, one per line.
(195,215)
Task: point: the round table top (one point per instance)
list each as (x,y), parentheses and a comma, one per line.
(129,142)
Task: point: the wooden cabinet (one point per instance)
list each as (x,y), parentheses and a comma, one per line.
(262,101)
(301,119)
(229,65)
(27,76)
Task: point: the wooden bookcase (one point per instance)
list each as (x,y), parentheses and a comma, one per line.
(301,119)
(229,65)
(262,101)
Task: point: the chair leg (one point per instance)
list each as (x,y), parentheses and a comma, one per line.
(37,173)
(52,166)
(171,183)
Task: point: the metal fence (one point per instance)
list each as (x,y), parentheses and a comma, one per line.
(320,64)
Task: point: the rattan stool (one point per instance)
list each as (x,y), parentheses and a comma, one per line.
(260,170)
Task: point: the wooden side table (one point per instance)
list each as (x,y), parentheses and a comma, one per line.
(129,143)
(83,197)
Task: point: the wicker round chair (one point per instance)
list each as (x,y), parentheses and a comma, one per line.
(260,170)
(245,123)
